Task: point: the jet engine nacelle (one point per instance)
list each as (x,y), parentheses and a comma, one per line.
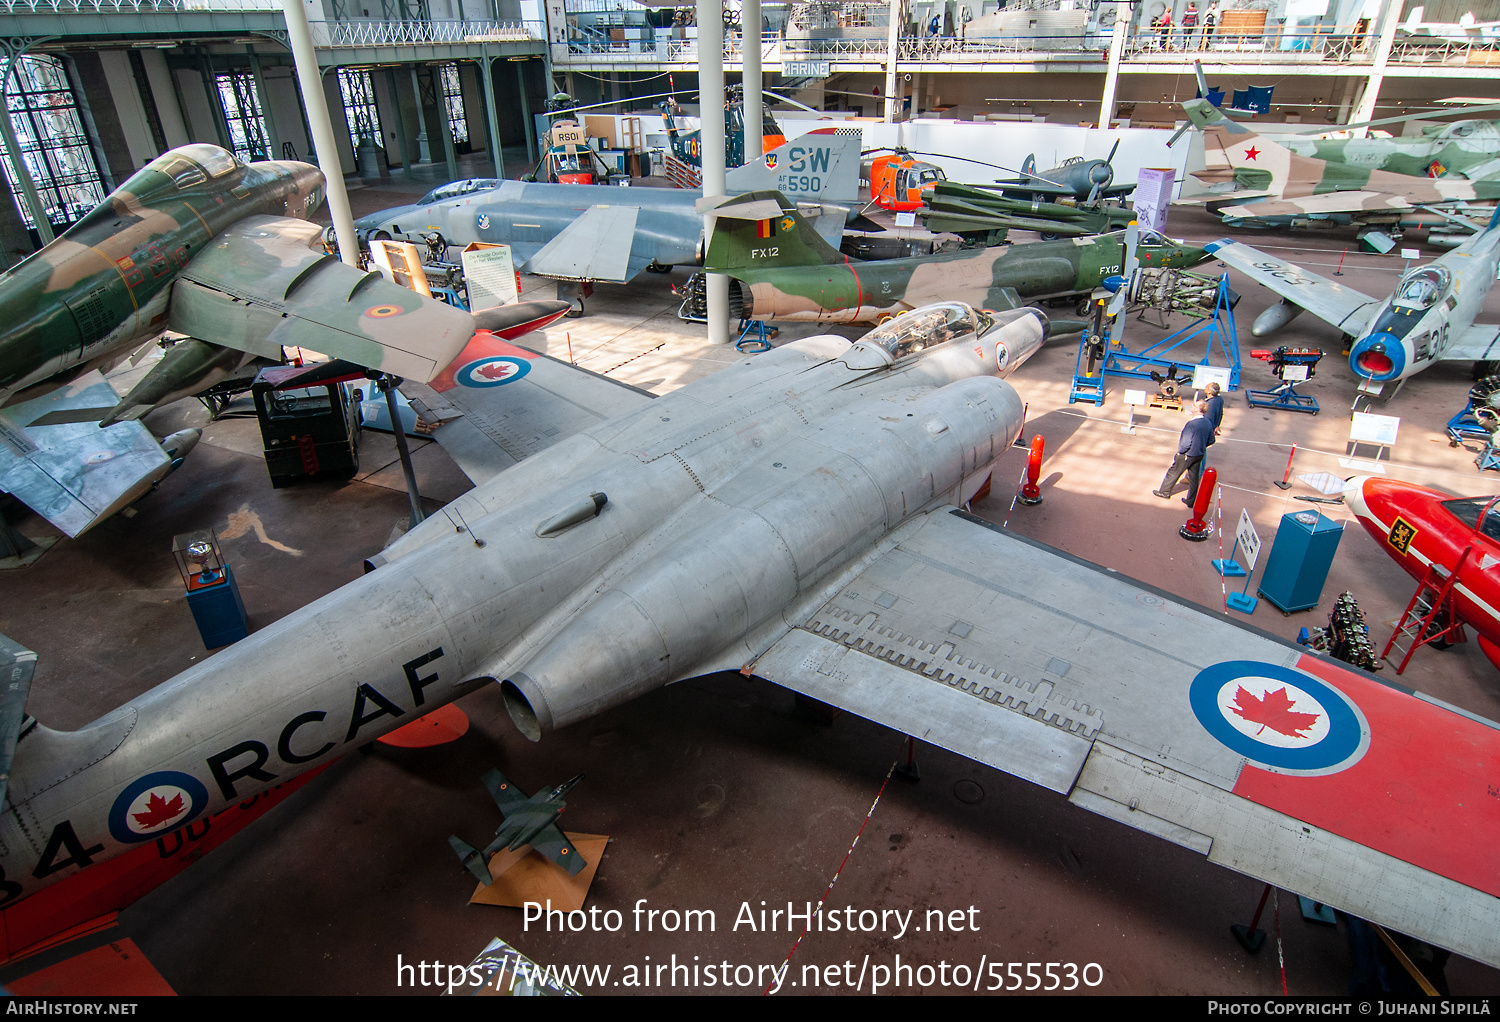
(742,553)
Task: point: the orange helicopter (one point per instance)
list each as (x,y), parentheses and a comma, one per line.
(899,181)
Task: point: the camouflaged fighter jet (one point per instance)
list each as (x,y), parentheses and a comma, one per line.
(1463,149)
(529,820)
(795,516)
(788,272)
(201,244)
(1276,186)
(1430,315)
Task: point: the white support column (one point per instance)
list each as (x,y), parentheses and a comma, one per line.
(892,49)
(1112,75)
(1366,109)
(711,113)
(750,43)
(311,82)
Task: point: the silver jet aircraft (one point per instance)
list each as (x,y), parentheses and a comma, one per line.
(575,233)
(797,516)
(1430,315)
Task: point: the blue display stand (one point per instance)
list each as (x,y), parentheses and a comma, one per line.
(1300,558)
(218,609)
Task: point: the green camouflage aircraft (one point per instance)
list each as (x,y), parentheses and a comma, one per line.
(1467,149)
(762,240)
(529,820)
(1276,186)
(200,243)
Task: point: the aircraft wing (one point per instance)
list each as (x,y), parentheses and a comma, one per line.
(499,403)
(266,283)
(590,248)
(551,843)
(506,795)
(1477,343)
(79,474)
(1170,718)
(1335,304)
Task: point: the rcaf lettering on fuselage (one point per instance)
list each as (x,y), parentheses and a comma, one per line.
(161,801)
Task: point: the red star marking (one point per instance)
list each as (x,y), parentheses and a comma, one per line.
(1251,153)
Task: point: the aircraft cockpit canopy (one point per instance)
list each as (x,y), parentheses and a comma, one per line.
(1469,510)
(923,328)
(453,189)
(186,166)
(1423,288)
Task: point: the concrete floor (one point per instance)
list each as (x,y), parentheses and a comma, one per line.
(717,792)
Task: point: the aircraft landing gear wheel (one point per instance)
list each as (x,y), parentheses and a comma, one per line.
(576,310)
(1048,236)
(1082,308)
(656,267)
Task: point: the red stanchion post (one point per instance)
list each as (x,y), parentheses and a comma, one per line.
(1030,492)
(1197,528)
(1286,477)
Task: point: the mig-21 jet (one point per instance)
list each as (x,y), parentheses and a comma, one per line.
(789,272)
(1274,185)
(797,516)
(529,820)
(1430,315)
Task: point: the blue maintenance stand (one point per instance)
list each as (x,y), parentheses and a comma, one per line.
(1300,558)
(755,337)
(217,607)
(1156,358)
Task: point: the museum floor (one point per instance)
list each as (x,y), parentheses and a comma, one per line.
(717,792)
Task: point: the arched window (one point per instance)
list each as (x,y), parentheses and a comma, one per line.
(51,140)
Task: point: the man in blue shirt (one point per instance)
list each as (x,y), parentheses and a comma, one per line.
(1191,447)
(1215,407)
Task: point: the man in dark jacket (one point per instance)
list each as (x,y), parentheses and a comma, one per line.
(1191,447)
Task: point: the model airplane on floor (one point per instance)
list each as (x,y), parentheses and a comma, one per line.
(1436,537)
(575,233)
(1430,315)
(790,273)
(1273,185)
(201,244)
(529,820)
(796,516)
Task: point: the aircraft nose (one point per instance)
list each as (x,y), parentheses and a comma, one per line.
(1378,357)
(1354,496)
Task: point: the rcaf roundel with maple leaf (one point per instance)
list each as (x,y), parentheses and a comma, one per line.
(156,804)
(1279,719)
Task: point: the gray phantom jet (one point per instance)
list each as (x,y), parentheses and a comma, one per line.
(575,233)
(797,516)
(528,821)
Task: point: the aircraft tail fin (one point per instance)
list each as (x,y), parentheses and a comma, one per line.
(1232,151)
(820,166)
(762,230)
(471,859)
